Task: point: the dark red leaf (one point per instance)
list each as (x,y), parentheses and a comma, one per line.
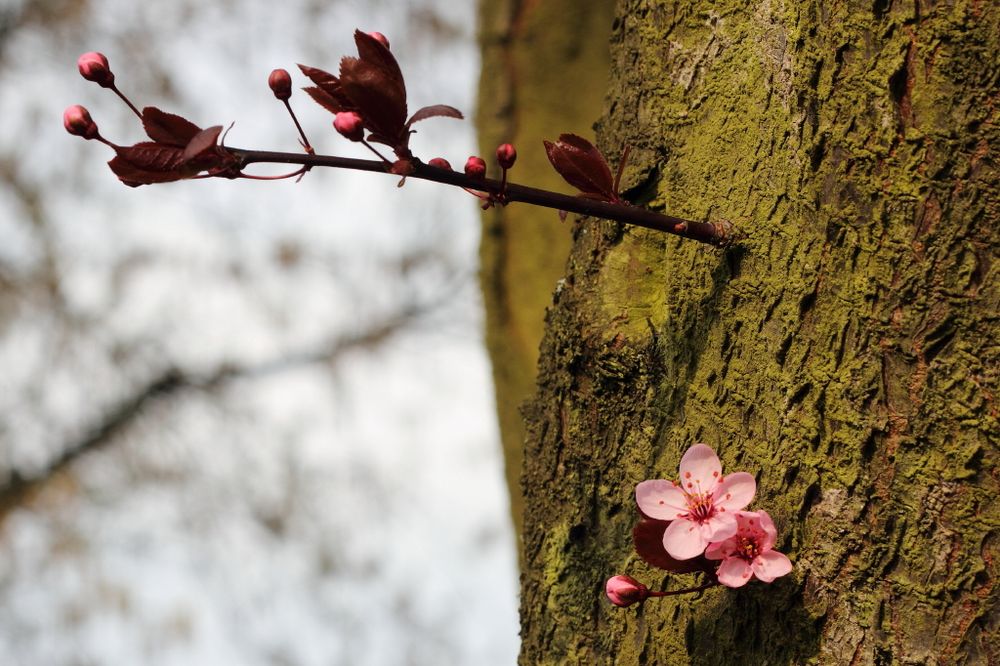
(582,165)
(168,128)
(647,536)
(434,110)
(318,76)
(152,156)
(386,140)
(326,100)
(332,97)
(201,142)
(134,176)
(375,52)
(379,101)
(149,162)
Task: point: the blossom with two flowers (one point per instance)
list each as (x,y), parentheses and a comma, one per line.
(702,519)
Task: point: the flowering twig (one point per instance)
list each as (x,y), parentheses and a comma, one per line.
(368,100)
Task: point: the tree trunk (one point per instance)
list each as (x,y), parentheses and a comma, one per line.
(845,352)
(545,71)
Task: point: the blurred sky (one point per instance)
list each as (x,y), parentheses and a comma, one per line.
(336,495)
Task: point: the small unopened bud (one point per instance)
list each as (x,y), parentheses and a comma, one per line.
(350,125)
(94,67)
(624,591)
(506,155)
(475,167)
(440,163)
(77,121)
(380,38)
(281,84)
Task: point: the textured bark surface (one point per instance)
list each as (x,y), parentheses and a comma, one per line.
(846,353)
(545,71)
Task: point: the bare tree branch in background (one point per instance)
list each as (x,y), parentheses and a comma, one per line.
(20,488)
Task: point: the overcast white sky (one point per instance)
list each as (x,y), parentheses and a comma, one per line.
(344,514)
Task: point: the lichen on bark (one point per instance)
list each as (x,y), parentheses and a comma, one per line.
(845,353)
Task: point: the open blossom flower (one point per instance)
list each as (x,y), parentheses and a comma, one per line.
(701,508)
(748,552)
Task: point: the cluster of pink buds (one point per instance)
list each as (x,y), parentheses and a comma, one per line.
(475,168)
(701,520)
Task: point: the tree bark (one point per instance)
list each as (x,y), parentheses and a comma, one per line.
(845,352)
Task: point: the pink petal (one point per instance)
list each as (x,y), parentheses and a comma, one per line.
(734,572)
(700,469)
(719,549)
(770,565)
(769,531)
(736,491)
(660,499)
(721,526)
(683,539)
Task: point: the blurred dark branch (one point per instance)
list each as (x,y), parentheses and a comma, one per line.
(31,200)
(19,488)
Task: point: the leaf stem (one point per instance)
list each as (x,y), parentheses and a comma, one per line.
(720,233)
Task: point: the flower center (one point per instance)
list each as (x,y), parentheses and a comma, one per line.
(748,548)
(700,506)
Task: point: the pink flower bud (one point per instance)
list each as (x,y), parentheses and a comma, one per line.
(506,155)
(350,125)
(94,67)
(78,122)
(624,591)
(281,84)
(440,163)
(475,167)
(380,38)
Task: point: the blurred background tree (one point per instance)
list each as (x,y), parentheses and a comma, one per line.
(226,409)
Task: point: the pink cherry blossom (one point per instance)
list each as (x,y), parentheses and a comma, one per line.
(748,552)
(701,508)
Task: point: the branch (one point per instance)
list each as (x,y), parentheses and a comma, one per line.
(19,488)
(719,234)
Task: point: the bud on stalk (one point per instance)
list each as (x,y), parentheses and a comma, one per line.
(475,167)
(624,591)
(350,125)
(281,84)
(94,67)
(77,121)
(506,155)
